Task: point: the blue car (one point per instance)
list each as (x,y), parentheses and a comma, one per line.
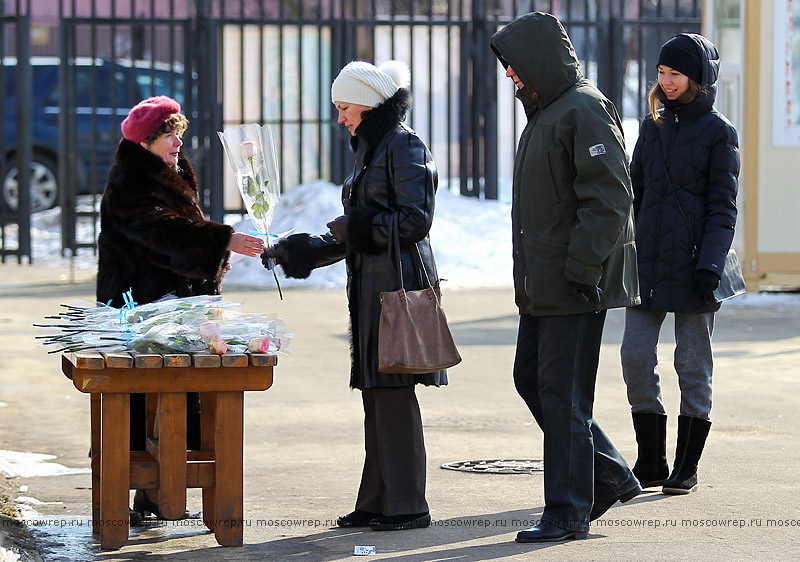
(103,95)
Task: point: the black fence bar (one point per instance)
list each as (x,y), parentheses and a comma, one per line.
(15,207)
(24,134)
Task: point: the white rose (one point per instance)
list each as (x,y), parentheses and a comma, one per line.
(248,149)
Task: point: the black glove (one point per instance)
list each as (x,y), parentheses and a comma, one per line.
(277,253)
(584,293)
(294,254)
(338,228)
(705,283)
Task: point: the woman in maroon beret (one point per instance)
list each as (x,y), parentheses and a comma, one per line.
(154,239)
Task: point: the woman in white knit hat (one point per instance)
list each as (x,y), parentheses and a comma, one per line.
(394,175)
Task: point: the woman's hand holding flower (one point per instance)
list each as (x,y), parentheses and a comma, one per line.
(278,253)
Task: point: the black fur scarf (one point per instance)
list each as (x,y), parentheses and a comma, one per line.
(381,120)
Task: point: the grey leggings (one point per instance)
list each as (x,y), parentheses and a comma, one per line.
(693,361)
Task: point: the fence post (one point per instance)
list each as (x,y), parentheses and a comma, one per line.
(66,135)
(209,112)
(490,112)
(24,134)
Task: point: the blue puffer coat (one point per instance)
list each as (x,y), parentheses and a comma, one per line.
(697,148)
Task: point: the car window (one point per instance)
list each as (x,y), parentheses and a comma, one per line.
(159,83)
(97,79)
(10,73)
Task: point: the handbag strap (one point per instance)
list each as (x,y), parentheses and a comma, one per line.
(394,246)
(675,195)
(394,234)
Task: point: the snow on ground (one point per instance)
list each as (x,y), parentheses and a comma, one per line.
(15,464)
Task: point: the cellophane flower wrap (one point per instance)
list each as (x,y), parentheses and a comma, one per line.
(202,324)
(251,154)
(250,149)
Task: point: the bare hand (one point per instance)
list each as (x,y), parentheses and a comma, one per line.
(245,244)
(338,228)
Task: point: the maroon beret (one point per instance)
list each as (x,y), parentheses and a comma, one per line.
(147,116)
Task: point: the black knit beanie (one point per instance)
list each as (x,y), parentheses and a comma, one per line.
(680,53)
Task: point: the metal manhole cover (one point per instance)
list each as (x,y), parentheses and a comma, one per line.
(497,466)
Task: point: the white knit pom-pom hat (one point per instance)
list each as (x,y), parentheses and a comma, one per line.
(363,83)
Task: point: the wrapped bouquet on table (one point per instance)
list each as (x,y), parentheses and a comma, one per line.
(198,324)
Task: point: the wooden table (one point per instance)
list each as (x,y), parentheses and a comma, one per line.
(166,468)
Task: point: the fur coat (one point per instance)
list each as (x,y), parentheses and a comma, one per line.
(154,238)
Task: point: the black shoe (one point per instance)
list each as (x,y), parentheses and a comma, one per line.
(549,533)
(142,507)
(400,522)
(357,518)
(602,505)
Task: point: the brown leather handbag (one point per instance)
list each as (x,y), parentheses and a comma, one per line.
(413,336)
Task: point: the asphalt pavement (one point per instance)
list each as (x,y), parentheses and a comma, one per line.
(304,441)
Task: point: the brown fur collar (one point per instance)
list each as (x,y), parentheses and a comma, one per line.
(138,160)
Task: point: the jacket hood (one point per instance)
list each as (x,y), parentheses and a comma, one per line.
(709,60)
(539,50)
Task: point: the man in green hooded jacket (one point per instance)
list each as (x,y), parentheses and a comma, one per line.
(574,258)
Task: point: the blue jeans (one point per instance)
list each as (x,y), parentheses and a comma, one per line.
(555,370)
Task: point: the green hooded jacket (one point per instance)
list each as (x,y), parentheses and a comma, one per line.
(572,214)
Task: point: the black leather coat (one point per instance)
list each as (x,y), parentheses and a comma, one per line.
(695,147)
(394,172)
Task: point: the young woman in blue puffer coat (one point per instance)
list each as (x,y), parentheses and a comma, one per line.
(685,177)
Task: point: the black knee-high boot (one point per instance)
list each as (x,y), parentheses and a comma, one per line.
(651,468)
(692,433)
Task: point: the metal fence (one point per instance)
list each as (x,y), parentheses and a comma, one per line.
(15,148)
(238,61)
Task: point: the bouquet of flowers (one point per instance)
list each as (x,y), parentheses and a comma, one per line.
(189,325)
(251,153)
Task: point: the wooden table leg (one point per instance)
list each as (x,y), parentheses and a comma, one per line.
(228,446)
(94,454)
(172,454)
(114,470)
(151,435)
(208,409)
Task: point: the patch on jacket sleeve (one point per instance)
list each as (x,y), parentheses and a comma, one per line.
(597,150)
